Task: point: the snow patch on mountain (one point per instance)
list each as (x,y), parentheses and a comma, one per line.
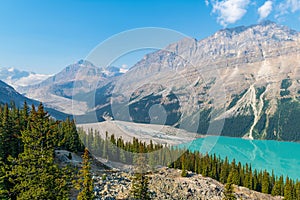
(18,78)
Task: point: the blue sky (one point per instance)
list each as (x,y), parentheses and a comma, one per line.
(45,36)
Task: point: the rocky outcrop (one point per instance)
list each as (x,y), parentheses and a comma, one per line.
(168,184)
(112,185)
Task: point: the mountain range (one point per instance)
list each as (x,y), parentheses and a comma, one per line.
(245,79)
(241,82)
(57,91)
(19,78)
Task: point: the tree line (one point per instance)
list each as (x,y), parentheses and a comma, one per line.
(238,174)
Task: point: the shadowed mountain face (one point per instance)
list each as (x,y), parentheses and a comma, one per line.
(9,95)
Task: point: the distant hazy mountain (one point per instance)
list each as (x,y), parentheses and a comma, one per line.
(75,79)
(8,94)
(247,76)
(17,78)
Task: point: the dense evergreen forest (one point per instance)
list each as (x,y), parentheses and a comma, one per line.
(225,171)
(28,169)
(28,140)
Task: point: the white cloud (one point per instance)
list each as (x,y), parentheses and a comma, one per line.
(206,2)
(289,6)
(230,11)
(265,10)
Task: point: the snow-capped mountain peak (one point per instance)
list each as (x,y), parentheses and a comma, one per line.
(18,78)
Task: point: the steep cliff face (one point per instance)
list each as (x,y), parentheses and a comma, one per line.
(238,82)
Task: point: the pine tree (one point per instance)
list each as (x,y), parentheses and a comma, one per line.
(277,188)
(105,147)
(10,143)
(265,185)
(13,129)
(69,137)
(85,181)
(184,172)
(228,192)
(297,190)
(250,183)
(34,173)
(24,115)
(183,167)
(256,186)
(139,188)
(224,171)
(6,136)
(288,190)
(234,177)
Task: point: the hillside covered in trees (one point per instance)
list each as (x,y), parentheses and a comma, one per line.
(29,169)
(28,140)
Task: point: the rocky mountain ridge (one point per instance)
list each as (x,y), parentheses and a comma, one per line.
(19,78)
(241,82)
(236,82)
(8,95)
(58,90)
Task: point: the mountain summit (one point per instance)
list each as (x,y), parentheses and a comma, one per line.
(81,77)
(237,82)
(241,82)
(265,26)
(18,78)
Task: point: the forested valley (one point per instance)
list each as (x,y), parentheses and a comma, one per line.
(29,138)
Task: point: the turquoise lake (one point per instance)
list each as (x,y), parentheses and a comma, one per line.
(282,157)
